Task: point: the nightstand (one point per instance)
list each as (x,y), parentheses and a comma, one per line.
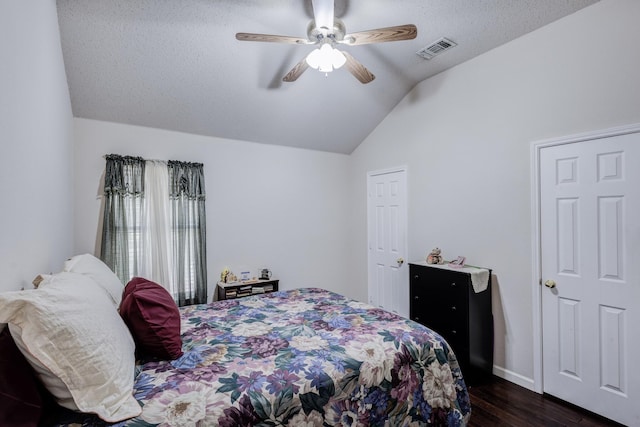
(234,290)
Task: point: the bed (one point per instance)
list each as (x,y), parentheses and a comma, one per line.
(128,356)
(304,357)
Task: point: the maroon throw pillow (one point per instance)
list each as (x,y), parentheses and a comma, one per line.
(20,400)
(153,318)
(131,286)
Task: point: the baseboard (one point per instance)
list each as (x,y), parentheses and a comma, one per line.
(513,377)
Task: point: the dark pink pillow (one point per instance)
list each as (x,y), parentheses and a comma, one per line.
(20,400)
(153,319)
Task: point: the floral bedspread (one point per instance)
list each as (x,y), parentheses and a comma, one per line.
(306,357)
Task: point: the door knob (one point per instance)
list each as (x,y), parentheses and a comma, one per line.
(400,261)
(550,284)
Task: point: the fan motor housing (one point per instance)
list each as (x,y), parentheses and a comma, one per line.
(316,34)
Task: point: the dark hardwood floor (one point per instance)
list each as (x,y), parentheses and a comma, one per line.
(502,403)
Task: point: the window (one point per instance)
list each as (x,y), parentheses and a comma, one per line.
(154,224)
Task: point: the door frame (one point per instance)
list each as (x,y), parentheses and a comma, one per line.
(536,280)
(371,174)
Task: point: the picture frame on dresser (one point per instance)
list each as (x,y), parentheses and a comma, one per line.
(450,301)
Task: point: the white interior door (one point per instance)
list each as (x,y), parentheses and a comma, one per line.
(590,258)
(387,236)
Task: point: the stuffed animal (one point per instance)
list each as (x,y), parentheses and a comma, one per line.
(434,257)
(224,276)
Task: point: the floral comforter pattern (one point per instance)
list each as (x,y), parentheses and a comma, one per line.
(306,357)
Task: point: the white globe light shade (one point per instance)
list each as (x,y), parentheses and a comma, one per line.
(326,59)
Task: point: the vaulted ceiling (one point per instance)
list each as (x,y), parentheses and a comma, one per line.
(176,64)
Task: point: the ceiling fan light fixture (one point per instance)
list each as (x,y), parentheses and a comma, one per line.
(327,31)
(326,59)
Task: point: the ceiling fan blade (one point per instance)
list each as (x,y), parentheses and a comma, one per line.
(296,71)
(252,37)
(380,35)
(358,70)
(323,13)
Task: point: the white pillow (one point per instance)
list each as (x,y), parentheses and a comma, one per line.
(80,343)
(91,266)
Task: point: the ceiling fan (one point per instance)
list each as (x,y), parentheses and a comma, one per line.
(327,32)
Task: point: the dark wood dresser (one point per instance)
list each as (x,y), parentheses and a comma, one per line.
(444,300)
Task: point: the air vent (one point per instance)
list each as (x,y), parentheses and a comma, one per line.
(436,48)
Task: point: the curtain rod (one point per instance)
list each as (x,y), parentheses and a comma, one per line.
(104,156)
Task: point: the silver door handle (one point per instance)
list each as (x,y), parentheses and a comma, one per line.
(550,284)
(400,261)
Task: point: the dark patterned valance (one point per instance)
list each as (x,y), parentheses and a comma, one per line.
(186,179)
(124,175)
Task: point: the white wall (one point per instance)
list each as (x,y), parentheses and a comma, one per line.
(272,206)
(36,216)
(466,135)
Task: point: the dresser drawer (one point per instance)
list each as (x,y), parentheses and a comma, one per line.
(433,301)
(449,327)
(453,315)
(439,286)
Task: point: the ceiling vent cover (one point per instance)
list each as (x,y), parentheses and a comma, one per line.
(436,48)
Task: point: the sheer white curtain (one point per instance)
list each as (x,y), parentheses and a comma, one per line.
(157,259)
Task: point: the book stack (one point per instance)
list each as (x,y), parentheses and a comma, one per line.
(244,291)
(267,288)
(257,290)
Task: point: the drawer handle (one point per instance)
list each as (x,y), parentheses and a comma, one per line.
(453,284)
(454,332)
(453,308)
(416,277)
(417,319)
(416,297)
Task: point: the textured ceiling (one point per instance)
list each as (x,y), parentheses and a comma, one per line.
(176,65)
